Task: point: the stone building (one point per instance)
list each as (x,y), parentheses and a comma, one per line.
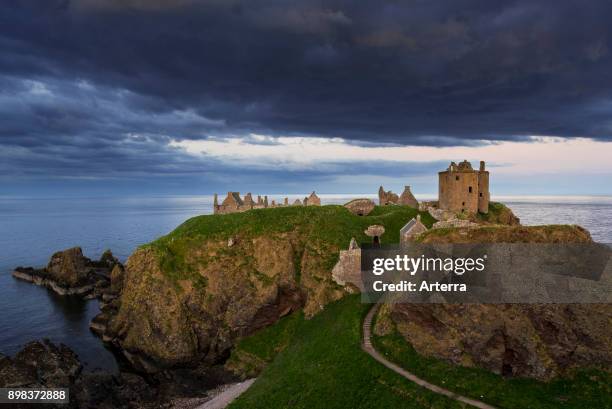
(408,199)
(463,189)
(233,203)
(411,229)
(312,200)
(386,198)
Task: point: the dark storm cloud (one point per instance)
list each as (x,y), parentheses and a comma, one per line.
(105,84)
(367,70)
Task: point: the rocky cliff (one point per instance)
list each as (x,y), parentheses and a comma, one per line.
(189,295)
(540,341)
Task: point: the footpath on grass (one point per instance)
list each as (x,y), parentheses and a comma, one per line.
(225,397)
(369,349)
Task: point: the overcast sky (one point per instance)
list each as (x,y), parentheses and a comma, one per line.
(195,97)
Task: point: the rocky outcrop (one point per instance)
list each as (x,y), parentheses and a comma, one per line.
(43,364)
(360,207)
(160,323)
(540,341)
(69,272)
(40,364)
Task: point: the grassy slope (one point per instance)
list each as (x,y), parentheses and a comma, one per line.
(322,366)
(586,389)
(319,364)
(330,226)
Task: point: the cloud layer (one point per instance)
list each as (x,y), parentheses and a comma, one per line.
(97,89)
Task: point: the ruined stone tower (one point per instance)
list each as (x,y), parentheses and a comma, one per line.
(463,189)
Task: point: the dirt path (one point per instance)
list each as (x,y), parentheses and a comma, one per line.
(227,395)
(367,347)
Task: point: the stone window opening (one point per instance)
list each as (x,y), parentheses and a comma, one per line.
(456,177)
(462,203)
(480,194)
(470,189)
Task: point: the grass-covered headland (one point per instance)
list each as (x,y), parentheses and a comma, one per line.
(329,226)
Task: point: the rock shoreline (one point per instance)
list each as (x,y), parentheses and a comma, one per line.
(36,277)
(69,272)
(43,364)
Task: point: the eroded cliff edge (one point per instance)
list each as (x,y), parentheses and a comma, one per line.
(189,295)
(526,340)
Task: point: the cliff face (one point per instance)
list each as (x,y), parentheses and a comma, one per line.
(239,290)
(540,341)
(188,296)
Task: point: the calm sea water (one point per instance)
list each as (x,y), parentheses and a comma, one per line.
(32,229)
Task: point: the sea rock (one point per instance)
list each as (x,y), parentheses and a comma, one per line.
(69,267)
(360,207)
(108,260)
(69,272)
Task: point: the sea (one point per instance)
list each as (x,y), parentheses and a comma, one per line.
(31,229)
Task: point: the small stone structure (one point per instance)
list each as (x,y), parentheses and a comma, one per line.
(233,203)
(360,207)
(375,231)
(463,189)
(348,268)
(411,230)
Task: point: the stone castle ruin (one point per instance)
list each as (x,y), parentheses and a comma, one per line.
(233,203)
(463,189)
(386,198)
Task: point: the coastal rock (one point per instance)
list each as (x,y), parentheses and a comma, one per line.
(69,272)
(43,364)
(232,292)
(539,341)
(40,364)
(117,276)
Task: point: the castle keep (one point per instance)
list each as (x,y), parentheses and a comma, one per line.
(233,203)
(463,189)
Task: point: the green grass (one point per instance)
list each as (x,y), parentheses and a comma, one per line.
(323,366)
(585,389)
(498,213)
(328,227)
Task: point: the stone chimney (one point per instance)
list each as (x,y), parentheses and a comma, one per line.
(265,201)
(286,203)
(482,165)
